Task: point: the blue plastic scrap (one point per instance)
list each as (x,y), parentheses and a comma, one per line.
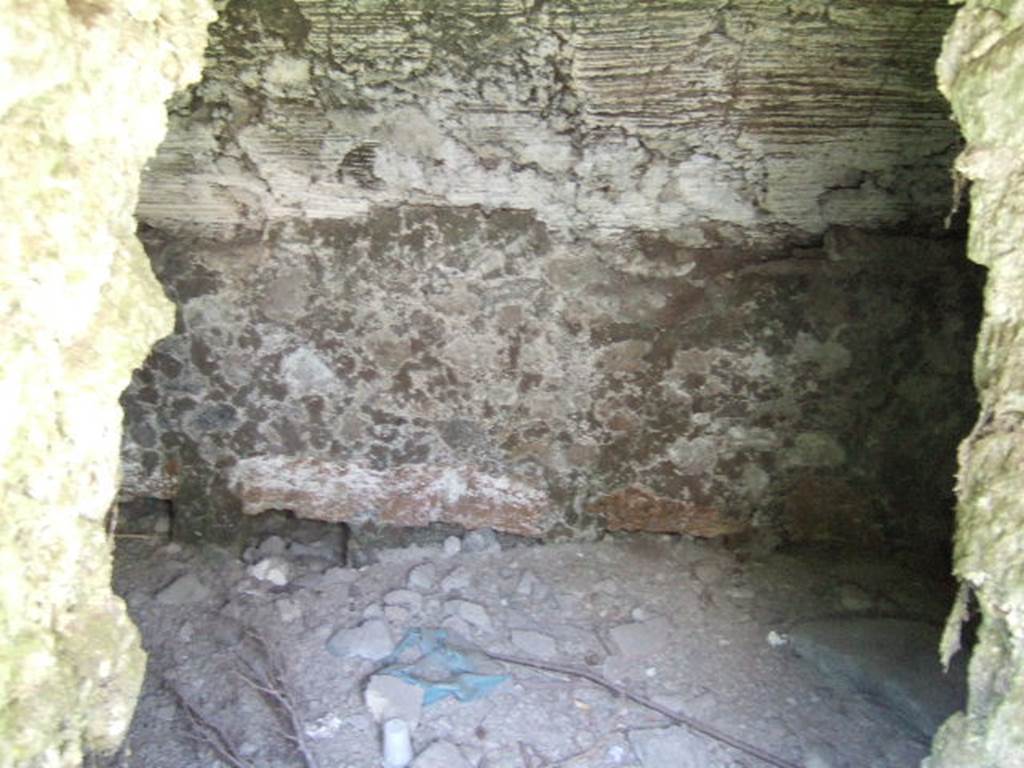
(441,669)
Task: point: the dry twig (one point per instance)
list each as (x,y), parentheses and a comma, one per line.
(206,732)
(265,675)
(270,682)
(691,723)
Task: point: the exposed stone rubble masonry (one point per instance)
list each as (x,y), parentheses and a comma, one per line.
(561,255)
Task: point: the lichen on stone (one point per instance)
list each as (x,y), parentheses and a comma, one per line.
(982,73)
(80,112)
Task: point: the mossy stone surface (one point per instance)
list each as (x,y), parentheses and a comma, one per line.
(982,73)
(80,112)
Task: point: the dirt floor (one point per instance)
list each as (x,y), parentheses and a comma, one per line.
(688,626)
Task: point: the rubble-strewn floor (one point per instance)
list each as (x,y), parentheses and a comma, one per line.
(688,624)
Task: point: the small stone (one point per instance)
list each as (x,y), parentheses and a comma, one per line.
(184,589)
(740,593)
(535,643)
(457,580)
(472,613)
(405,598)
(482,540)
(225,630)
(616,753)
(388,697)
(644,638)
(528,584)
(187,632)
(776,640)
(456,627)
(272,545)
(162,525)
(853,598)
(422,577)
(708,572)
(452,546)
(248,748)
(441,754)
(272,569)
(396,614)
(289,610)
(431,606)
(324,727)
(373,611)
(370,640)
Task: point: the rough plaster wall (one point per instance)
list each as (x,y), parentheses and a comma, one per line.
(81,109)
(559,265)
(982,73)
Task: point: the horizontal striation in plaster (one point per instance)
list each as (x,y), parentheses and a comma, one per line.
(777,118)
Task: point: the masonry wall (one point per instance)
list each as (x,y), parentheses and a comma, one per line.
(560,267)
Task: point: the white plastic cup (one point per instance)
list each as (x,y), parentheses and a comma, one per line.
(397,744)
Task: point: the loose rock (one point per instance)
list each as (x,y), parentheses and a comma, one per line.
(472,613)
(422,577)
(482,540)
(273,569)
(535,643)
(271,546)
(405,598)
(440,754)
(456,580)
(642,638)
(452,546)
(184,589)
(370,640)
(388,697)
(289,610)
(528,585)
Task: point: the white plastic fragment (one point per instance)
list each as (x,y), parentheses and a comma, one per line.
(776,639)
(397,744)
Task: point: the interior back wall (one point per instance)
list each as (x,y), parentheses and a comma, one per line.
(558,266)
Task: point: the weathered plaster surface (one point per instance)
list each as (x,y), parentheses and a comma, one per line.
(613,254)
(81,109)
(982,73)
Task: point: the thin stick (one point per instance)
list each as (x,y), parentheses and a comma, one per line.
(525,754)
(272,685)
(691,723)
(207,733)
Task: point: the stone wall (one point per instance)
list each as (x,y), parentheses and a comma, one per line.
(982,73)
(558,266)
(81,109)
